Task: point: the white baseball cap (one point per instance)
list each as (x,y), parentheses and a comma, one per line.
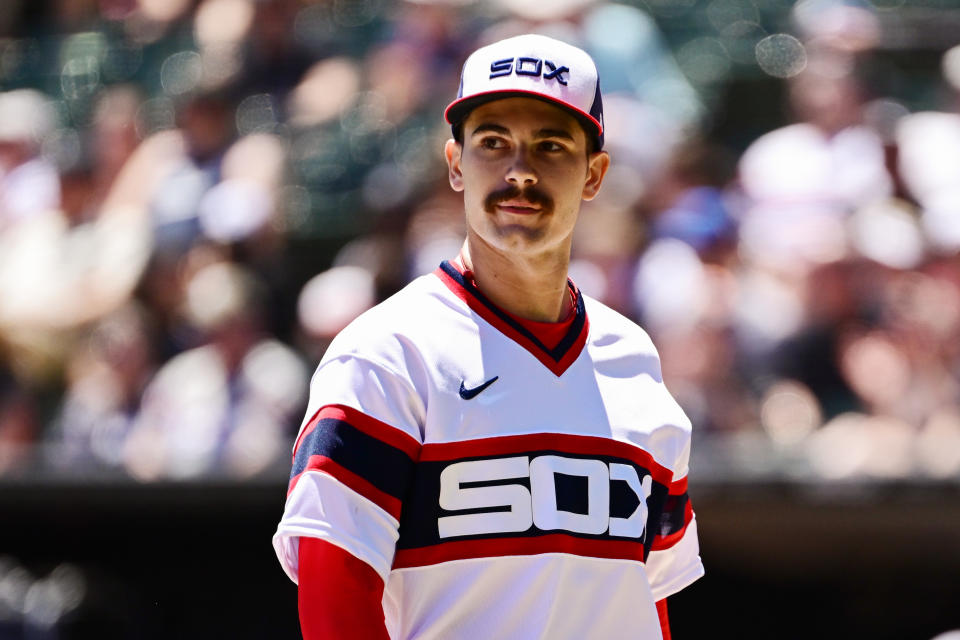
(532,66)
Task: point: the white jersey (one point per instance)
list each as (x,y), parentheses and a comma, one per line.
(500,488)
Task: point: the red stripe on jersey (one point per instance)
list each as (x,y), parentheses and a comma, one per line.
(325,465)
(664,619)
(665,542)
(527,546)
(562,442)
(374,428)
(490,315)
(679,487)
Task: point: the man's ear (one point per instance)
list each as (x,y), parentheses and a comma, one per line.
(453,151)
(597,165)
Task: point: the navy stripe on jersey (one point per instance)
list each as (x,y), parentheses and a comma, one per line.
(558,352)
(371,457)
(676,516)
(673,516)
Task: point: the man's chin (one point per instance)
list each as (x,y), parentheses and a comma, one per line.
(520,236)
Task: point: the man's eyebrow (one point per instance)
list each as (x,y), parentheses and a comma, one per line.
(553,133)
(489,127)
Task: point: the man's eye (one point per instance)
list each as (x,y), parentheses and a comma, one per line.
(549,146)
(492,143)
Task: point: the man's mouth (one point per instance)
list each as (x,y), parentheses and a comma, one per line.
(518,206)
(512,199)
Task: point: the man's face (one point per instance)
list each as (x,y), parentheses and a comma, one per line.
(524,170)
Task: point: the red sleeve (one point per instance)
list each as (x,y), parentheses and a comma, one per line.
(339,596)
(664,621)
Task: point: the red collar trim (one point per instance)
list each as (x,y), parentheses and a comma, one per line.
(557,359)
(549,333)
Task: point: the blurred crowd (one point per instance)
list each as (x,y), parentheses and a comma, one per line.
(195,196)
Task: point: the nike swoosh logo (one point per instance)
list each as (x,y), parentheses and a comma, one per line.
(468,394)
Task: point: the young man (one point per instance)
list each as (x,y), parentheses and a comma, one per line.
(490,453)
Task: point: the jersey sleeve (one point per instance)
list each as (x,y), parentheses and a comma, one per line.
(674,559)
(353,461)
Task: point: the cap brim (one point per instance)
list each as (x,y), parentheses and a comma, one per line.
(458,110)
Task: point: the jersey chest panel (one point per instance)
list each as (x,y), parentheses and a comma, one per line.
(604,393)
(535,462)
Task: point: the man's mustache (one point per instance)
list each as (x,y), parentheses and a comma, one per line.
(531,194)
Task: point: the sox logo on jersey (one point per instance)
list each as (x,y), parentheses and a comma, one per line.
(538,504)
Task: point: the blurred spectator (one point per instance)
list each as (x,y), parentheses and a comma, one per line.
(329,302)
(807,193)
(113,138)
(29,184)
(929,162)
(106,376)
(226,406)
(848,26)
(435,231)
(206,130)
(835,304)
(689,308)
(242,205)
(688,202)
(275,59)
(683,287)
(56,276)
(608,236)
(801,182)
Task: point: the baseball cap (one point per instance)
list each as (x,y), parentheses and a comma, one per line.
(533,66)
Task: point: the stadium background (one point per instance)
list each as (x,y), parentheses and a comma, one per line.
(195,195)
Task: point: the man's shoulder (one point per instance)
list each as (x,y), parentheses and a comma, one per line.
(411,315)
(609,327)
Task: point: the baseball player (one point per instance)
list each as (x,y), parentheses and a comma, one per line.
(490,453)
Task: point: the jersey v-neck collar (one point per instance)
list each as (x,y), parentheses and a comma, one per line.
(558,359)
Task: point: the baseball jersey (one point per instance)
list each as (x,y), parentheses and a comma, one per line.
(501,488)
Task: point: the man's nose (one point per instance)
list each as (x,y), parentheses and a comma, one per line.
(521,172)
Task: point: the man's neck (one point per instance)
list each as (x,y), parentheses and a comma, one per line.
(532,288)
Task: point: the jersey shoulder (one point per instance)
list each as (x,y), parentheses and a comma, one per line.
(610,328)
(622,352)
(393,331)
